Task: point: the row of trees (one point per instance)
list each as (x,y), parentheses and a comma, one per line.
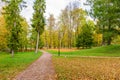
(107,15)
(15,28)
(5,34)
(74,29)
(71,29)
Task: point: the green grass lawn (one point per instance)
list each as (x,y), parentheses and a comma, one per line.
(106,51)
(10,67)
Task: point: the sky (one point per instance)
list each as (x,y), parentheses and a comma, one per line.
(52,7)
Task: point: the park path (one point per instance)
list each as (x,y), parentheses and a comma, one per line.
(42,69)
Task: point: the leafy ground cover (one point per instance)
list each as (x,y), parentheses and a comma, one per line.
(70,68)
(10,67)
(105,51)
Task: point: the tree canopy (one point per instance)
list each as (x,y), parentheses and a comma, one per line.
(38,21)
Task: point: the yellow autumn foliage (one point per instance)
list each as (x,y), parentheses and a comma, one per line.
(98,39)
(116,40)
(3,33)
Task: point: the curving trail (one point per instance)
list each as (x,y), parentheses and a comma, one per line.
(42,69)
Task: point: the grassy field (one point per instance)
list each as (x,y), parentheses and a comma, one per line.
(87,68)
(10,67)
(71,67)
(105,51)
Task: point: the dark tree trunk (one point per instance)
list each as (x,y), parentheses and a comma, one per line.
(46,43)
(50,39)
(103,41)
(109,28)
(109,41)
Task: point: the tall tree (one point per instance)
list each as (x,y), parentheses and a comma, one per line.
(51,25)
(78,18)
(70,27)
(13,19)
(70,21)
(107,13)
(38,21)
(63,24)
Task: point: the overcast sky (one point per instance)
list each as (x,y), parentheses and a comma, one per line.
(52,7)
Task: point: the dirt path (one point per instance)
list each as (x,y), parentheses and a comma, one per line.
(42,69)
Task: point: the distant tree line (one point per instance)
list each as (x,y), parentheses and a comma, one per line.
(73,28)
(76,30)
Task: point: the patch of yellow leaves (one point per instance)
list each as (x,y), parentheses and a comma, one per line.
(65,49)
(3,33)
(87,68)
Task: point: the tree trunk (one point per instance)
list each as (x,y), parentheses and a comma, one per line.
(109,28)
(103,41)
(109,41)
(46,43)
(12,51)
(50,46)
(59,42)
(25,48)
(21,49)
(37,43)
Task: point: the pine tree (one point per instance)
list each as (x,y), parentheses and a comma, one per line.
(13,19)
(38,20)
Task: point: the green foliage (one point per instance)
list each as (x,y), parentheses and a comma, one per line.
(116,40)
(13,19)
(107,14)
(38,21)
(11,66)
(33,38)
(5,32)
(70,21)
(41,43)
(23,35)
(85,38)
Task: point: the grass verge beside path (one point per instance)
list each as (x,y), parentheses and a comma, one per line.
(10,67)
(105,51)
(87,68)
